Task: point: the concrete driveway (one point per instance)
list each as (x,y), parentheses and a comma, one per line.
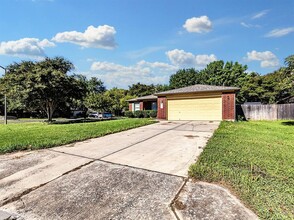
(134,174)
(166,147)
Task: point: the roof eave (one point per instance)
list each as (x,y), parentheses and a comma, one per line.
(143,99)
(173,93)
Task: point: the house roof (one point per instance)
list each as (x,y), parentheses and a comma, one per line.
(198,88)
(142,98)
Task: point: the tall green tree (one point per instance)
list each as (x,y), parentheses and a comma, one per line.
(185,77)
(219,73)
(117,98)
(251,89)
(161,88)
(98,102)
(277,86)
(95,85)
(289,62)
(44,84)
(216,73)
(92,86)
(141,89)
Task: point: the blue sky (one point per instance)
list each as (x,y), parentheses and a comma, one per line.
(128,41)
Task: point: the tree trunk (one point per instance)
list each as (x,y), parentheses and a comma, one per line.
(50,110)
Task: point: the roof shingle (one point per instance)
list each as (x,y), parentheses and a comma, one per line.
(198,88)
(147,97)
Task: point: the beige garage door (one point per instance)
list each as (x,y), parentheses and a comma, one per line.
(195,109)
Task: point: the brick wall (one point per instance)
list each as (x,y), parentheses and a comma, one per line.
(130,106)
(141,106)
(161,108)
(228,100)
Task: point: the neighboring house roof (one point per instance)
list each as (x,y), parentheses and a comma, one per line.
(198,88)
(143,98)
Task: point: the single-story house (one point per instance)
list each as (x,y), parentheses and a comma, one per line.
(148,102)
(197,102)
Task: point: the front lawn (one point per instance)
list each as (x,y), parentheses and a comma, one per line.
(256,161)
(37,135)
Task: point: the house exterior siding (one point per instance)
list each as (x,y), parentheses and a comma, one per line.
(229,106)
(130,106)
(161,108)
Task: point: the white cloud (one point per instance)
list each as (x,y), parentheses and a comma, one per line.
(46,43)
(25,47)
(247,25)
(198,24)
(203,60)
(163,67)
(116,75)
(107,67)
(181,58)
(260,14)
(267,58)
(96,37)
(280,32)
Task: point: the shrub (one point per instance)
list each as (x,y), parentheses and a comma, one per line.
(139,114)
(129,114)
(153,113)
(146,113)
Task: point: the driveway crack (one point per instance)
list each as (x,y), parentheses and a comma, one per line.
(27,191)
(172,204)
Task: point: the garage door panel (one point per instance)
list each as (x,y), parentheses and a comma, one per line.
(195,109)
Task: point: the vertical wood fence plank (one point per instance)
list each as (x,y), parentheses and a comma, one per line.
(267,112)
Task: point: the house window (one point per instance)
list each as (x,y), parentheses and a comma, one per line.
(154,106)
(136,106)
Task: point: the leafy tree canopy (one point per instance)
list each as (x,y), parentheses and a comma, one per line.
(289,61)
(98,102)
(219,73)
(184,77)
(95,85)
(44,84)
(118,98)
(277,86)
(141,89)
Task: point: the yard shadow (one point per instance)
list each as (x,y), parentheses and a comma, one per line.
(74,121)
(240,115)
(288,123)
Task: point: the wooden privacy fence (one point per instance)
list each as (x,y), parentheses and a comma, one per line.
(266,112)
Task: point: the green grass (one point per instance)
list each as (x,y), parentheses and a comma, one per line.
(256,161)
(14,137)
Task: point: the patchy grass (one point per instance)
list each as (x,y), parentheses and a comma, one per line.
(14,137)
(256,160)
